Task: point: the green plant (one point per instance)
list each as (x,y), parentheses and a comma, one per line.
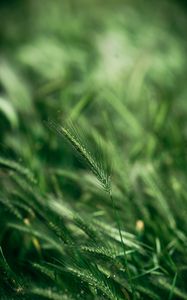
(97,209)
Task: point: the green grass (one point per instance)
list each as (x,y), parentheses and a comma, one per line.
(93,120)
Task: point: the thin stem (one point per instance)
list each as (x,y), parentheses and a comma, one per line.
(122,243)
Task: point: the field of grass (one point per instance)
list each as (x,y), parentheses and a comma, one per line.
(93,157)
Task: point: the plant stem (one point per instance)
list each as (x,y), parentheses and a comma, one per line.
(122,243)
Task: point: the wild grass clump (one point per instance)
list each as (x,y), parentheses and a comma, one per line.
(93,196)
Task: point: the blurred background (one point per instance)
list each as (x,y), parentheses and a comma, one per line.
(118,70)
(122,61)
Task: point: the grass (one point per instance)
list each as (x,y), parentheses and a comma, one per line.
(93,196)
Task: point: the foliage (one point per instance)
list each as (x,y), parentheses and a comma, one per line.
(93,196)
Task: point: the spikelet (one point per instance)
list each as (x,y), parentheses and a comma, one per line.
(98,165)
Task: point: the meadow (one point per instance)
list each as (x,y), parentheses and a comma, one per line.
(93,160)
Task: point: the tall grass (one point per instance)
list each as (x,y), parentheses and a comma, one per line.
(97,209)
